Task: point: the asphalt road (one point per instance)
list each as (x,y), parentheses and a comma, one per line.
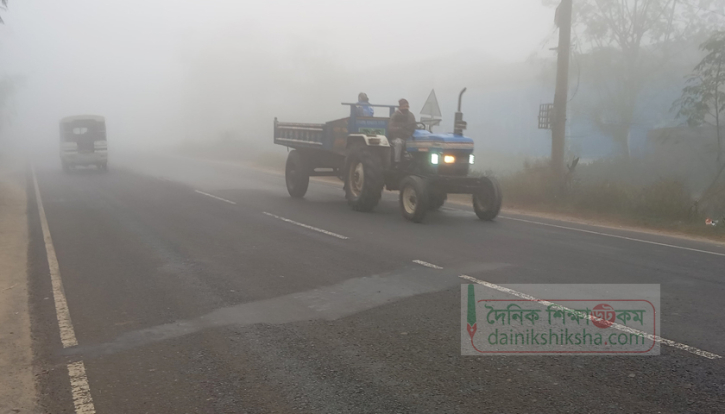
(252,302)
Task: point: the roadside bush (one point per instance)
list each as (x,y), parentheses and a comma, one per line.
(601,197)
(601,188)
(529,187)
(666,199)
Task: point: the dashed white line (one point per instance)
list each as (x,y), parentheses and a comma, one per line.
(426,264)
(620,327)
(329,233)
(213,196)
(76,371)
(613,235)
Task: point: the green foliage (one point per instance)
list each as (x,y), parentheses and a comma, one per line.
(703,98)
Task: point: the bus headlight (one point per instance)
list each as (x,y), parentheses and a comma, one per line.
(471,158)
(449,159)
(434,159)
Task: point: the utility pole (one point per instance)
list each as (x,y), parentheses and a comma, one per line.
(558,127)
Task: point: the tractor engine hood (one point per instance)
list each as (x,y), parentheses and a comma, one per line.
(423,140)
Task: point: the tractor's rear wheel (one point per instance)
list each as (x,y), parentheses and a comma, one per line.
(296,174)
(414,201)
(487,200)
(364,179)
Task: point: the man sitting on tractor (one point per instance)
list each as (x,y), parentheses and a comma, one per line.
(363,107)
(400,127)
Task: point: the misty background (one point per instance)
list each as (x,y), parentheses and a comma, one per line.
(163,72)
(192,75)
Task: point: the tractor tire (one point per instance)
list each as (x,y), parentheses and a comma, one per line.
(296,174)
(487,200)
(436,200)
(414,201)
(364,179)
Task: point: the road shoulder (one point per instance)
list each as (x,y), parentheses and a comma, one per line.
(17,386)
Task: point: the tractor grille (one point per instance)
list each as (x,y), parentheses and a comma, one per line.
(457,168)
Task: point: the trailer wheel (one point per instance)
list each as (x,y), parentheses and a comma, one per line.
(296,174)
(363,179)
(436,200)
(414,201)
(487,200)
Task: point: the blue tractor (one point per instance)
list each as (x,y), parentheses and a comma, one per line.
(356,150)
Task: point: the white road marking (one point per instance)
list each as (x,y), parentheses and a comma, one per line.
(329,233)
(76,371)
(617,326)
(67,334)
(81,390)
(615,236)
(600,233)
(213,196)
(426,264)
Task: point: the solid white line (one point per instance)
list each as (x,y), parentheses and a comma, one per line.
(615,236)
(620,327)
(67,334)
(329,233)
(213,196)
(426,264)
(80,389)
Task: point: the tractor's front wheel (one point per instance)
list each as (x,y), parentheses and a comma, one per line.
(364,179)
(487,200)
(414,200)
(296,174)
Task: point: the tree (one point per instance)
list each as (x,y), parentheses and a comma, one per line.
(3,6)
(703,98)
(8,86)
(623,42)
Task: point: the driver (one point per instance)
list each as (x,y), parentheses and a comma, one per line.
(400,127)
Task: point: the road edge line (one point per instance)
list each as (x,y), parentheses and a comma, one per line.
(80,389)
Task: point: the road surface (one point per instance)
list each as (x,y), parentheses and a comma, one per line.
(198,286)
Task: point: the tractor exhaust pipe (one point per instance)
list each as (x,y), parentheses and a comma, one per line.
(459,124)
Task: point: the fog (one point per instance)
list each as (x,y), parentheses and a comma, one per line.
(163,72)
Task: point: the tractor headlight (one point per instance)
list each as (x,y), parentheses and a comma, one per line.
(471,159)
(434,159)
(449,159)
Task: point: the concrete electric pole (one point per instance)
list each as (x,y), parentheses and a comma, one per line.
(558,127)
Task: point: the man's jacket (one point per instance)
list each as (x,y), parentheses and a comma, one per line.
(401,125)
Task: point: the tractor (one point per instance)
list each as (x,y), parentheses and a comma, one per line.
(356,150)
